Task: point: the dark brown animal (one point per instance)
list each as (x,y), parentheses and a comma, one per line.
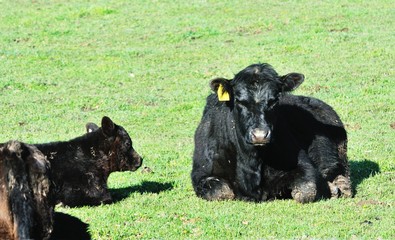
(80,167)
(26,211)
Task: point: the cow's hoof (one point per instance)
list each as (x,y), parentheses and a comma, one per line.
(218,190)
(107,199)
(305,193)
(341,187)
(335,192)
(264,196)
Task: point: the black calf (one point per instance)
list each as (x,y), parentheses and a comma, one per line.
(80,167)
(256,142)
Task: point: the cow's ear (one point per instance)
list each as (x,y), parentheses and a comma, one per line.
(292,81)
(222,87)
(107,126)
(91,127)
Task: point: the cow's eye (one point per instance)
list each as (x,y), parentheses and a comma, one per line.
(271,103)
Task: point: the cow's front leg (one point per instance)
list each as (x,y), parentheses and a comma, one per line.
(211,175)
(305,187)
(214,188)
(102,195)
(304,192)
(97,192)
(106,198)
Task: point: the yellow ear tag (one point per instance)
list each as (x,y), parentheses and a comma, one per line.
(223,95)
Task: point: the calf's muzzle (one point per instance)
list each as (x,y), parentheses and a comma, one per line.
(259,136)
(137,161)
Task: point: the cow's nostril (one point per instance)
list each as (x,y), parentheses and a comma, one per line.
(268,134)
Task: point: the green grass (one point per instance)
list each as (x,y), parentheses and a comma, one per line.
(147,65)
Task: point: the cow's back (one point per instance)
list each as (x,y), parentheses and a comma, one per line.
(318,109)
(319,130)
(309,117)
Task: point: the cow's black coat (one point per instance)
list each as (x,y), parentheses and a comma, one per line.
(264,143)
(80,167)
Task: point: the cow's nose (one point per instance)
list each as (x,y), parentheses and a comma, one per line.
(260,136)
(137,161)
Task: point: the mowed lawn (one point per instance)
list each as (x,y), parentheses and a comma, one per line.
(147,65)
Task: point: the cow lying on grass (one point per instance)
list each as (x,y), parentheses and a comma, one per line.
(257,142)
(80,167)
(26,211)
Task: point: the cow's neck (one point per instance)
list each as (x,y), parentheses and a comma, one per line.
(113,165)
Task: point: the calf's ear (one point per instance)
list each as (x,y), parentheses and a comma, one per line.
(91,127)
(222,87)
(107,126)
(292,81)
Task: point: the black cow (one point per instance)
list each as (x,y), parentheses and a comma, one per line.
(257,142)
(26,209)
(80,167)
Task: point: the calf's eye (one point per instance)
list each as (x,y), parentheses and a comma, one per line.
(272,102)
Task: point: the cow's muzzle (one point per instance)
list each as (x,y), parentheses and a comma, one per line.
(260,137)
(137,161)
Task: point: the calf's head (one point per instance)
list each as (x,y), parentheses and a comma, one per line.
(253,95)
(115,139)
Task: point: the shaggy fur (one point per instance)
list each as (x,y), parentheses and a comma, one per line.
(264,143)
(26,211)
(80,167)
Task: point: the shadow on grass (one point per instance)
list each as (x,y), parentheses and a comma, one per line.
(69,227)
(119,194)
(361,170)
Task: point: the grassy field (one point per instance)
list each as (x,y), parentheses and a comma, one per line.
(147,65)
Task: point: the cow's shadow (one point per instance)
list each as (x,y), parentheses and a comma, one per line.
(119,194)
(69,227)
(361,170)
